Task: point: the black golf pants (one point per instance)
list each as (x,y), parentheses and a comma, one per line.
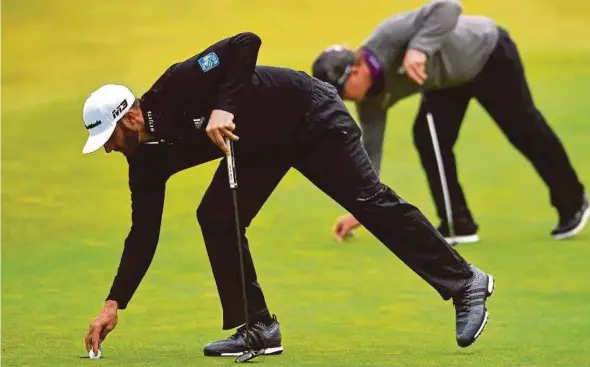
(501,88)
(330,154)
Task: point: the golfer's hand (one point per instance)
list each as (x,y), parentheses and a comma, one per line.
(221,125)
(415,65)
(103,324)
(344,226)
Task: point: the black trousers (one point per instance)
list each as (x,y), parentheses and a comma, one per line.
(501,88)
(329,153)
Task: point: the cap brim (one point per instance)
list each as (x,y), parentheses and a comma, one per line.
(96,141)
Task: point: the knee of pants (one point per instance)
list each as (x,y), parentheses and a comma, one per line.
(424,143)
(214,218)
(380,196)
(531,137)
(422,140)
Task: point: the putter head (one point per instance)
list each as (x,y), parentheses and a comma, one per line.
(251,354)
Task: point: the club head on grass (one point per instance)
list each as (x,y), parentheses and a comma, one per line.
(249,356)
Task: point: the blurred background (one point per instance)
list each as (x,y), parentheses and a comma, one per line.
(65,215)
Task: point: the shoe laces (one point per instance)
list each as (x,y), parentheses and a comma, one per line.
(251,335)
(468,300)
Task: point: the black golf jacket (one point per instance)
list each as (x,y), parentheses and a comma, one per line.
(268,103)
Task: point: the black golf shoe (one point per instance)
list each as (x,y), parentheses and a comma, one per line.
(465,231)
(262,338)
(470,307)
(569,225)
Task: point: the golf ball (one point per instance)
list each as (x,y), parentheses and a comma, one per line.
(93,356)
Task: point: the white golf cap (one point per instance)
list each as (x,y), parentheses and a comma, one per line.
(102,109)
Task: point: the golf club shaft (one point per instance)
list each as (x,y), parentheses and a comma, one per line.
(441,168)
(233,184)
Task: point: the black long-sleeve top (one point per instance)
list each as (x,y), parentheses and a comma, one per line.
(268,103)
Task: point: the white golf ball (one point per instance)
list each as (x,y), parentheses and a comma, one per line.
(93,356)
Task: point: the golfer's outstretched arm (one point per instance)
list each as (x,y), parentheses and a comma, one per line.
(140,245)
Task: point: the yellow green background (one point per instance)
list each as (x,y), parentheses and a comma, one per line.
(65,215)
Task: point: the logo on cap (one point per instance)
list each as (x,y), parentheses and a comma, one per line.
(93,125)
(117,111)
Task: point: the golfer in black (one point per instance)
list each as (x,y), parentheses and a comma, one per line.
(278,118)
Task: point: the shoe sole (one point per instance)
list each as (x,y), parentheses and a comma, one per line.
(579,227)
(455,240)
(491,284)
(266,352)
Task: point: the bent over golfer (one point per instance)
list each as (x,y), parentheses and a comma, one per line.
(453,58)
(277,119)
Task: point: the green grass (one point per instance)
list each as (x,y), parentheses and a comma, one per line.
(65,215)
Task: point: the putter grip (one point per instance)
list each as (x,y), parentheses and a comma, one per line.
(231,165)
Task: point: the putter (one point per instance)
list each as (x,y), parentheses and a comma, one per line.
(233,184)
(441,168)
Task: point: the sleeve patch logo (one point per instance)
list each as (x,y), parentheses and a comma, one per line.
(208,61)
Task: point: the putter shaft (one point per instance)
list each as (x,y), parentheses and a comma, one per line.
(233,184)
(440,164)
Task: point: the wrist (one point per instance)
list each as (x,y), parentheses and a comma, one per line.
(423,50)
(223,109)
(111,305)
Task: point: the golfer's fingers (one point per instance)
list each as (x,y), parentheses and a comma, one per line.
(230,134)
(229,125)
(407,63)
(339,231)
(413,74)
(211,135)
(220,141)
(94,338)
(421,69)
(87,340)
(418,74)
(215,135)
(92,330)
(103,334)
